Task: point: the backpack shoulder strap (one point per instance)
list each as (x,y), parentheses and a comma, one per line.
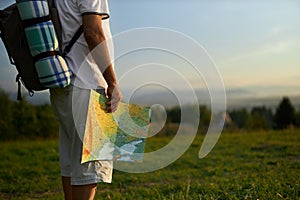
(57,25)
(73,41)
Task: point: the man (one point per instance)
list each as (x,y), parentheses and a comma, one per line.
(90,72)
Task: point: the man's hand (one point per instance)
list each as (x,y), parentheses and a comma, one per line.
(114,97)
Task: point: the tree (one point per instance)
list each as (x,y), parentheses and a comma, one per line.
(47,123)
(298,119)
(6,117)
(174,115)
(21,120)
(25,121)
(261,118)
(205,117)
(240,117)
(285,115)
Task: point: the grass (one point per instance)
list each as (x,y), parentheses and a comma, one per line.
(255,165)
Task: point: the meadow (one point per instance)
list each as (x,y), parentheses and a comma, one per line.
(244,165)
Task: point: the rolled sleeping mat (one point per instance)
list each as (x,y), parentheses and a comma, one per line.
(58,75)
(42,40)
(31,9)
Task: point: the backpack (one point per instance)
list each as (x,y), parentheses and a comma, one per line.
(17,36)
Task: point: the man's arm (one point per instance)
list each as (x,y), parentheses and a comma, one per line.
(94,35)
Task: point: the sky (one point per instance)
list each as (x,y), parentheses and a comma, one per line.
(254,44)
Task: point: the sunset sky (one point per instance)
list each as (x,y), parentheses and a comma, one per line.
(255,44)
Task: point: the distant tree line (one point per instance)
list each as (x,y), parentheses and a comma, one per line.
(21,120)
(284,116)
(257,118)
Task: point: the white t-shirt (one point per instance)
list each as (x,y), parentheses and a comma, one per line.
(83,66)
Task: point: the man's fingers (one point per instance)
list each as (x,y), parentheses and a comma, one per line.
(115,96)
(111,106)
(108,109)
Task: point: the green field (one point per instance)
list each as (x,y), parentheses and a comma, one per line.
(257,165)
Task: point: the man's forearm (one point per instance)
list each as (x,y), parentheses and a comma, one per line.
(95,38)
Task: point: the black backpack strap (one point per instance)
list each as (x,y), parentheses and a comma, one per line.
(3,14)
(33,21)
(19,94)
(73,41)
(45,54)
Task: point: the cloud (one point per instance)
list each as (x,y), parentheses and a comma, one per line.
(272,48)
(277,48)
(263,91)
(275,31)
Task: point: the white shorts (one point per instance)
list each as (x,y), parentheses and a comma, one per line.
(70,137)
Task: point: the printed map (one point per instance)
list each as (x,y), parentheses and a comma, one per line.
(115,136)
